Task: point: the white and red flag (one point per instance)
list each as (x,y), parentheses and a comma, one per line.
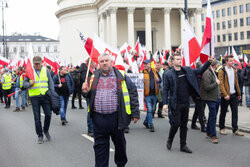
(207,45)
(245,59)
(191,45)
(125,48)
(236,58)
(29,70)
(87,42)
(4,61)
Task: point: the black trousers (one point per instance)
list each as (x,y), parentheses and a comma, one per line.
(179,119)
(233,102)
(79,95)
(6,98)
(199,112)
(106,126)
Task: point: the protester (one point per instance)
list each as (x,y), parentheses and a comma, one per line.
(160,71)
(210,93)
(6,85)
(19,91)
(37,92)
(179,84)
(77,88)
(230,94)
(240,81)
(64,86)
(246,79)
(151,89)
(113,100)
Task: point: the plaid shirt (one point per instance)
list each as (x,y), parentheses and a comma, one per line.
(106,99)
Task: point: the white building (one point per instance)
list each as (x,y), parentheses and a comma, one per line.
(20,43)
(157,23)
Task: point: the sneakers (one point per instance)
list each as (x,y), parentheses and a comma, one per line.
(47,135)
(63,122)
(151,129)
(146,125)
(203,129)
(208,136)
(238,133)
(23,108)
(40,140)
(214,140)
(91,134)
(223,132)
(16,110)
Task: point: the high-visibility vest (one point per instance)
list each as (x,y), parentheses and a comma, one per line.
(7,82)
(41,85)
(124,91)
(21,80)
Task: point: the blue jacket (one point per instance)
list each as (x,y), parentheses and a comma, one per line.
(69,81)
(170,83)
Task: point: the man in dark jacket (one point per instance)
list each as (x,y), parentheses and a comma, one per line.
(180,83)
(113,101)
(75,74)
(246,77)
(64,86)
(240,81)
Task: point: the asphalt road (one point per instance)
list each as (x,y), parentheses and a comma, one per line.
(69,147)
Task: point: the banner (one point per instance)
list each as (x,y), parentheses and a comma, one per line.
(137,79)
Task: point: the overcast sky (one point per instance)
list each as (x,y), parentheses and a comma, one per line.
(31,16)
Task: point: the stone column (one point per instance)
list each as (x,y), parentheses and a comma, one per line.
(108,27)
(148,28)
(198,29)
(131,31)
(182,19)
(167,30)
(113,28)
(101,26)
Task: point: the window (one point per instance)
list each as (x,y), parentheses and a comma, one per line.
(229,11)
(217,13)
(213,14)
(248,21)
(241,8)
(230,37)
(223,12)
(235,23)
(235,9)
(47,49)
(22,49)
(202,17)
(242,35)
(229,24)
(223,25)
(248,7)
(14,50)
(236,36)
(203,28)
(224,37)
(39,49)
(248,34)
(218,38)
(218,26)
(55,48)
(241,22)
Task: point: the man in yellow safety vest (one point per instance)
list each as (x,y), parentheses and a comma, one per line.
(6,85)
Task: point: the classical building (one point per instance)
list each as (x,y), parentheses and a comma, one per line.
(158,23)
(231,24)
(20,43)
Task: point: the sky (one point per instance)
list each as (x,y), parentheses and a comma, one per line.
(30,17)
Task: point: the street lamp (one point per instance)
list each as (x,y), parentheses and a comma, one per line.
(4,5)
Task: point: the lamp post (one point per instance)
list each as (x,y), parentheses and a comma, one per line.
(4,5)
(186,10)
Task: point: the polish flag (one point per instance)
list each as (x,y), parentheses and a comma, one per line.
(207,44)
(48,60)
(125,48)
(236,58)
(225,54)
(191,45)
(100,47)
(245,60)
(4,61)
(155,57)
(141,53)
(137,47)
(162,59)
(87,42)
(132,63)
(29,70)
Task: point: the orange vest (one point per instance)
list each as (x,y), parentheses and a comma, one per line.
(147,82)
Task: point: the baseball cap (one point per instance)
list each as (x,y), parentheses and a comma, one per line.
(37,59)
(146,61)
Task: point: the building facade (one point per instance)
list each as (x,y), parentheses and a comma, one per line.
(158,23)
(19,44)
(231,25)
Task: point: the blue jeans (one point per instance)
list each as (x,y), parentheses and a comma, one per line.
(247,95)
(64,104)
(22,93)
(89,119)
(211,123)
(37,102)
(150,102)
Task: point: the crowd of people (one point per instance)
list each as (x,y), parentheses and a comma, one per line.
(112,98)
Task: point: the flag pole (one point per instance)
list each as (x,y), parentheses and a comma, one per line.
(88,69)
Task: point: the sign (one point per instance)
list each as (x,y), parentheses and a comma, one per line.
(137,79)
(246,51)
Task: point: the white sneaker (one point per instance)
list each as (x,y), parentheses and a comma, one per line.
(238,133)
(223,132)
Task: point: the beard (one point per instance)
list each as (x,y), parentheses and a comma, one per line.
(106,70)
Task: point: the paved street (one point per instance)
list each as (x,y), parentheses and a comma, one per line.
(69,148)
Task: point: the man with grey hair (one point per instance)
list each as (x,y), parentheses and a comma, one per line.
(6,85)
(113,102)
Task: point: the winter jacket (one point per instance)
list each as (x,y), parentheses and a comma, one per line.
(69,81)
(170,83)
(123,117)
(54,101)
(224,84)
(209,88)
(245,73)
